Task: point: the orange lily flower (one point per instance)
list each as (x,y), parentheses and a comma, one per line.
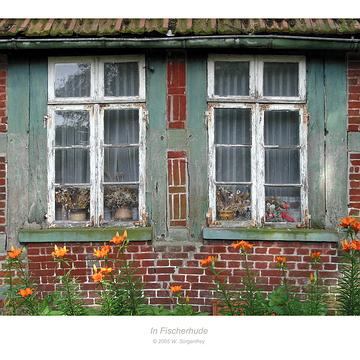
(281,261)
(102,252)
(59,252)
(207,261)
(356,226)
(242,245)
(349,245)
(25,292)
(315,256)
(118,239)
(175,289)
(312,277)
(97,275)
(347,221)
(106,270)
(14,253)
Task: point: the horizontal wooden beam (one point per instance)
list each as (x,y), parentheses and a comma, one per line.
(82,235)
(272,234)
(354,141)
(3,143)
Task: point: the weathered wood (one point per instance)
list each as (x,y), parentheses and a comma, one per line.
(336,167)
(156,161)
(18,157)
(3,143)
(38,140)
(271,234)
(197,138)
(82,234)
(354,141)
(316,138)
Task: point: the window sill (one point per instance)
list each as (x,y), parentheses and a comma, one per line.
(271,234)
(82,234)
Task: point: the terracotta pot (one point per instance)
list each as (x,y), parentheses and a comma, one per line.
(123,213)
(77,215)
(226,214)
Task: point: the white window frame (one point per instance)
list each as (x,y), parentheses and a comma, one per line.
(259,104)
(96,104)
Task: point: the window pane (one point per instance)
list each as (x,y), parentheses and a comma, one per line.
(281,79)
(121,126)
(121,202)
(71,128)
(233,164)
(72,203)
(282,204)
(282,166)
(72,80)
(233,202)
(231,78)
(281,127)
(233,126)
(121,165)
(72,166)
(121,79)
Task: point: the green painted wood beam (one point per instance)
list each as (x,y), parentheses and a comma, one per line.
(336,165)
(177,139)
(354,141)
(17,146)
(3,143)
(271,234)
(316,139)
(197,140)
(156,161)
(252,41)
(82,235)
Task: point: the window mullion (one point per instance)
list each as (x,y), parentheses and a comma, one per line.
(303,166)
(260,189)
(100,163)
(254,163)
(93,167)
(51,166)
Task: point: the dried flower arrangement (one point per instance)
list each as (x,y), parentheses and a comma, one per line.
(73,198)
(236,201)
(277,210)
(117,196)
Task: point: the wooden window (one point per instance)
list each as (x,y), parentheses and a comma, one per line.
(96,140)
(257,140)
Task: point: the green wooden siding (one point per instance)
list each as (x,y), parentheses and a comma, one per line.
(316,137)
(18,146)
(336,166)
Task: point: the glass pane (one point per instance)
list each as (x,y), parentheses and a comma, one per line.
(72,203)
(72,80)
(282,166)
(281,127)
(233,126)
(72,166)
(282,204)
(232,78)
(233,164)
(121,126)
(281,79)
(121,165)
(121,202)
(71,128)
(233,202)
(121,79)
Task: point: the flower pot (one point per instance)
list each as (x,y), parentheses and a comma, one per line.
(77,215)
(226,214)
(123,213)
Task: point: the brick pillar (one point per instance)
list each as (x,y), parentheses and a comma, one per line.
(354,184)
(354,94)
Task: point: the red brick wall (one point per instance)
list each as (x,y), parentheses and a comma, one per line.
(3,79)
(354,126)
(354,93)
(176,91)
(164,265)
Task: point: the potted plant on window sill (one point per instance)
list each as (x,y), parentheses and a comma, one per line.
(120,201)
(231,204)
(75,201)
